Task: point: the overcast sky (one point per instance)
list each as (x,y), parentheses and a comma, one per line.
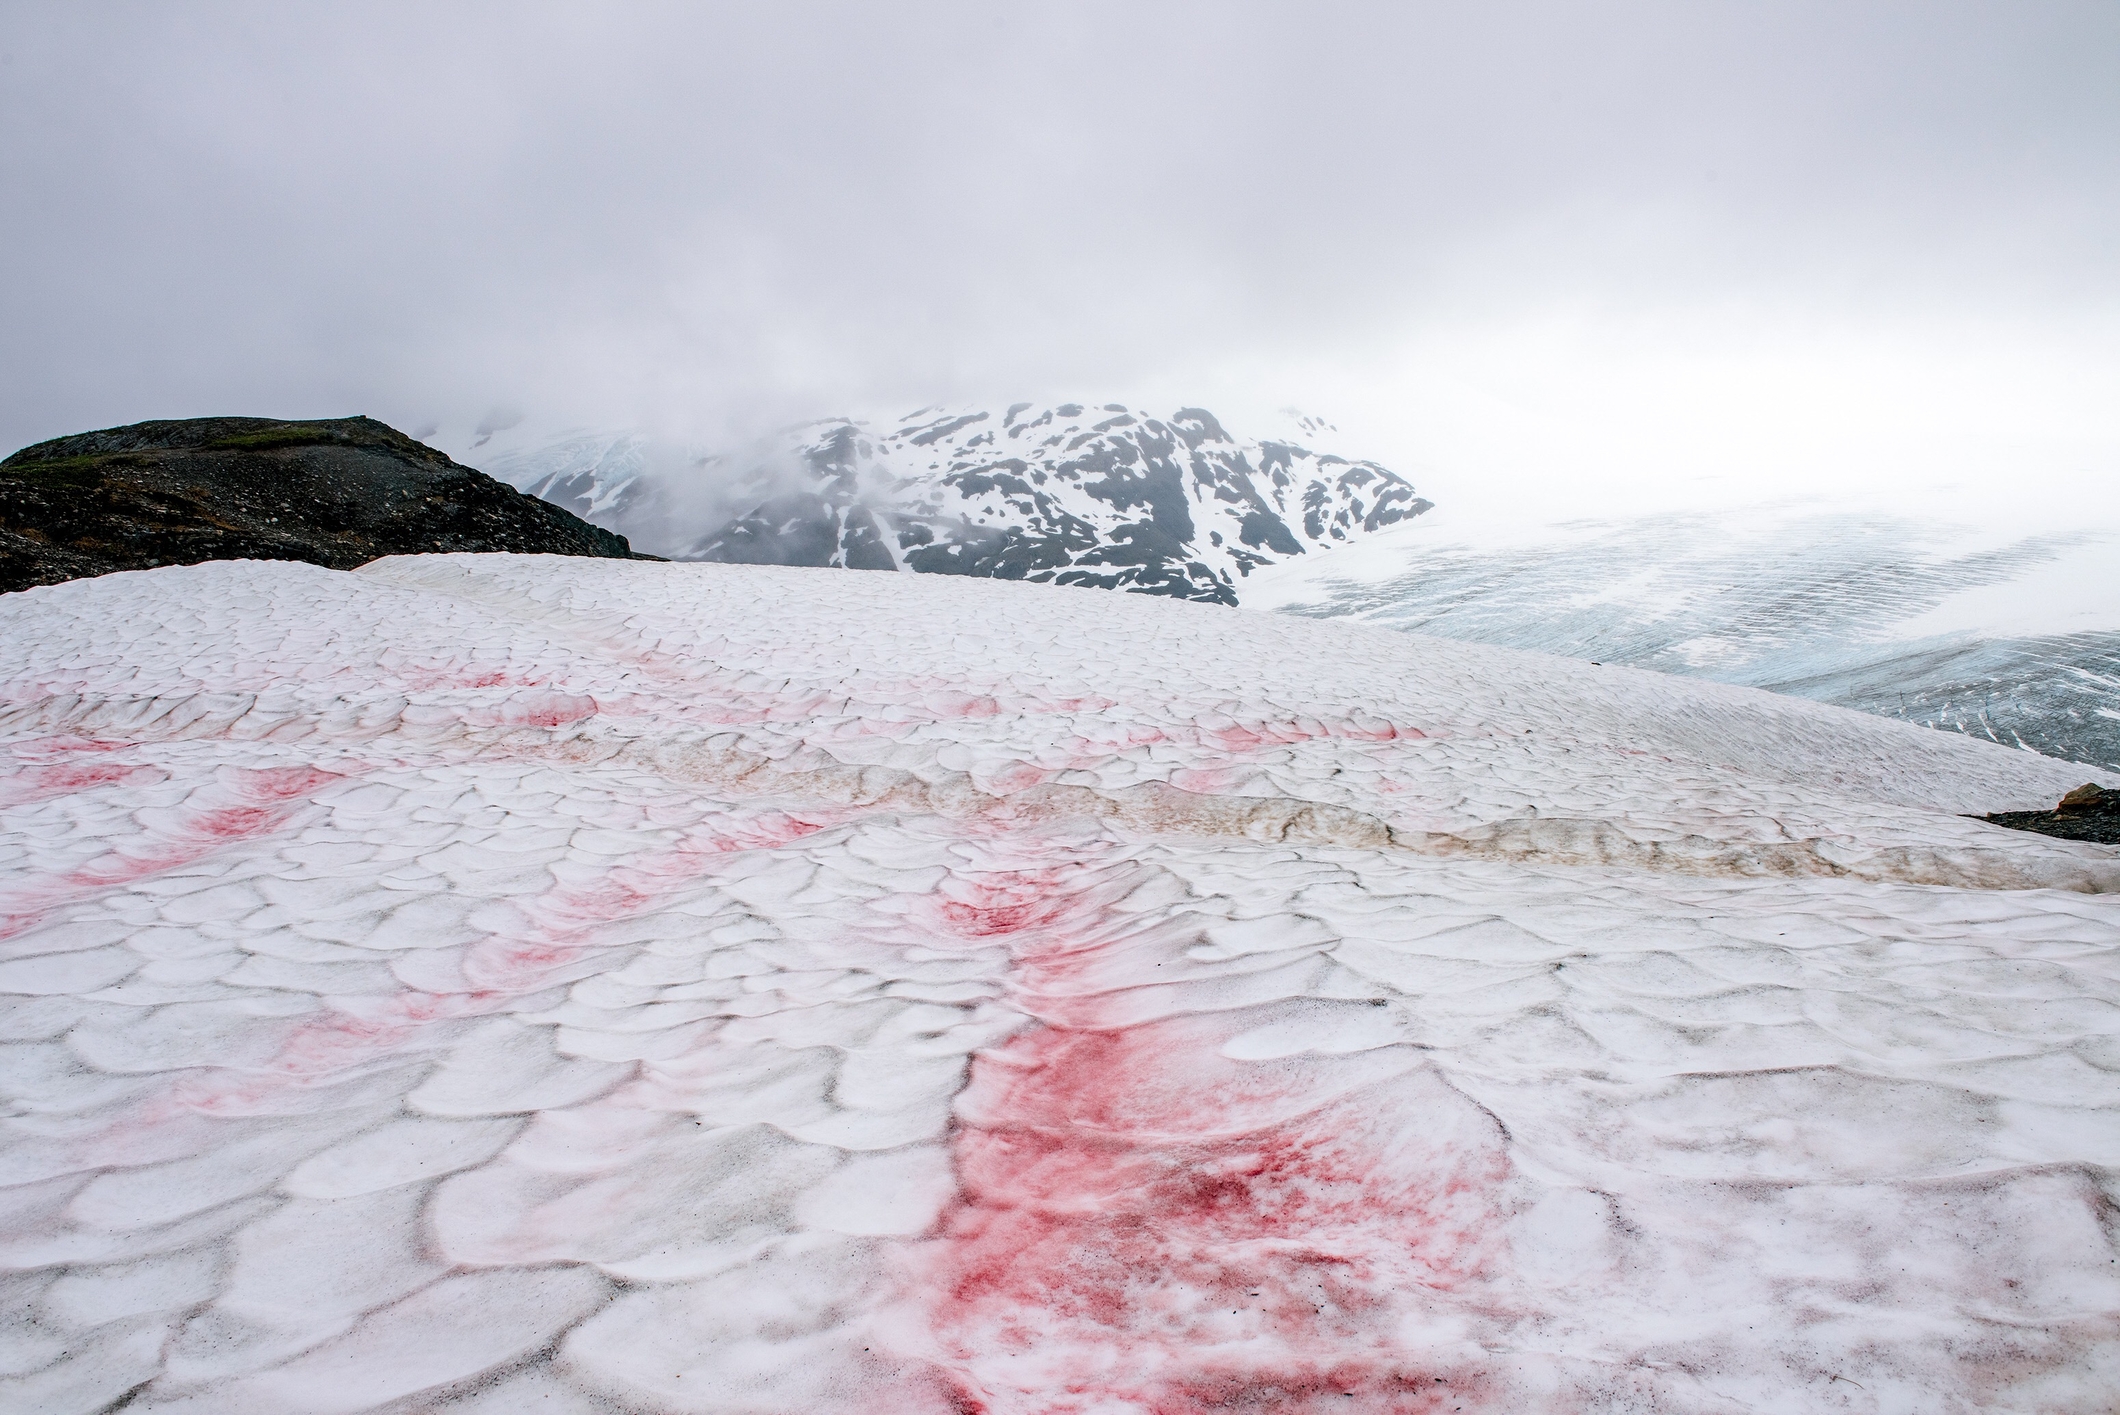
(1538,247)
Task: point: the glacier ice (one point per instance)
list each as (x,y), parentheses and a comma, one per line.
(2006,630)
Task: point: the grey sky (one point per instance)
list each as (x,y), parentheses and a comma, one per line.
(1491,236)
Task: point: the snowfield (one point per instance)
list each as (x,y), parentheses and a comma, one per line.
(504,984)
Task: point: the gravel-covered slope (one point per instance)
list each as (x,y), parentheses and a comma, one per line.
(337,492)
(491,983)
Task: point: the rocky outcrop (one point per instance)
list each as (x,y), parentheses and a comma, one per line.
(336,492)
(2090,812)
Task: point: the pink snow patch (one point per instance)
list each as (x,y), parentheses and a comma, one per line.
(357,1033)
(278,783)
(1218,737)
(43,783)
(265,798)
(531,710)
(1011,776)
(432,675)
(263,801)
(1144,1223)
(361,1031)
(646,880)
(557,928)
(946,705)
(1203,780)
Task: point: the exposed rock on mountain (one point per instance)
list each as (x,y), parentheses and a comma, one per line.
(1074,496)
(2087,813)
(336,492)
(1069,494)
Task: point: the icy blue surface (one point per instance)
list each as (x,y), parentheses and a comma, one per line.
(1812,605)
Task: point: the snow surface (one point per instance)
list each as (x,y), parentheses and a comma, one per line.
(500,984)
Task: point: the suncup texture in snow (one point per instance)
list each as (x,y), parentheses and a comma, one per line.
(493,983)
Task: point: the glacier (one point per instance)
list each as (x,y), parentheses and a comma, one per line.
(498,983)
(2008,629)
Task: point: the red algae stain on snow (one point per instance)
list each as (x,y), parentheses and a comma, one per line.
(541,709)
(62,766)
(430,674)
(242,804)
(278,783)
(357,1032)
(347,1038)
(1223,741)
(646,879)
(263,801)
(1138,1229)
(1146,1225)
(1011,777)
(1204,781)
(558,927)
(326,1048)
(42,783)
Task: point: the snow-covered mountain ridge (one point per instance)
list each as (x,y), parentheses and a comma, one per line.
(1072,494)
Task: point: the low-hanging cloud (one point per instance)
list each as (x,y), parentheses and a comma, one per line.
(710,220)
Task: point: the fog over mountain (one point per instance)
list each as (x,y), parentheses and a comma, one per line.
(1634,251)
(1071,494)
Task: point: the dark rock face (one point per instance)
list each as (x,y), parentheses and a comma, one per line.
(2087,813)
(337,492)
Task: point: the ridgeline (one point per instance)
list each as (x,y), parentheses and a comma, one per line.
(337,492)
